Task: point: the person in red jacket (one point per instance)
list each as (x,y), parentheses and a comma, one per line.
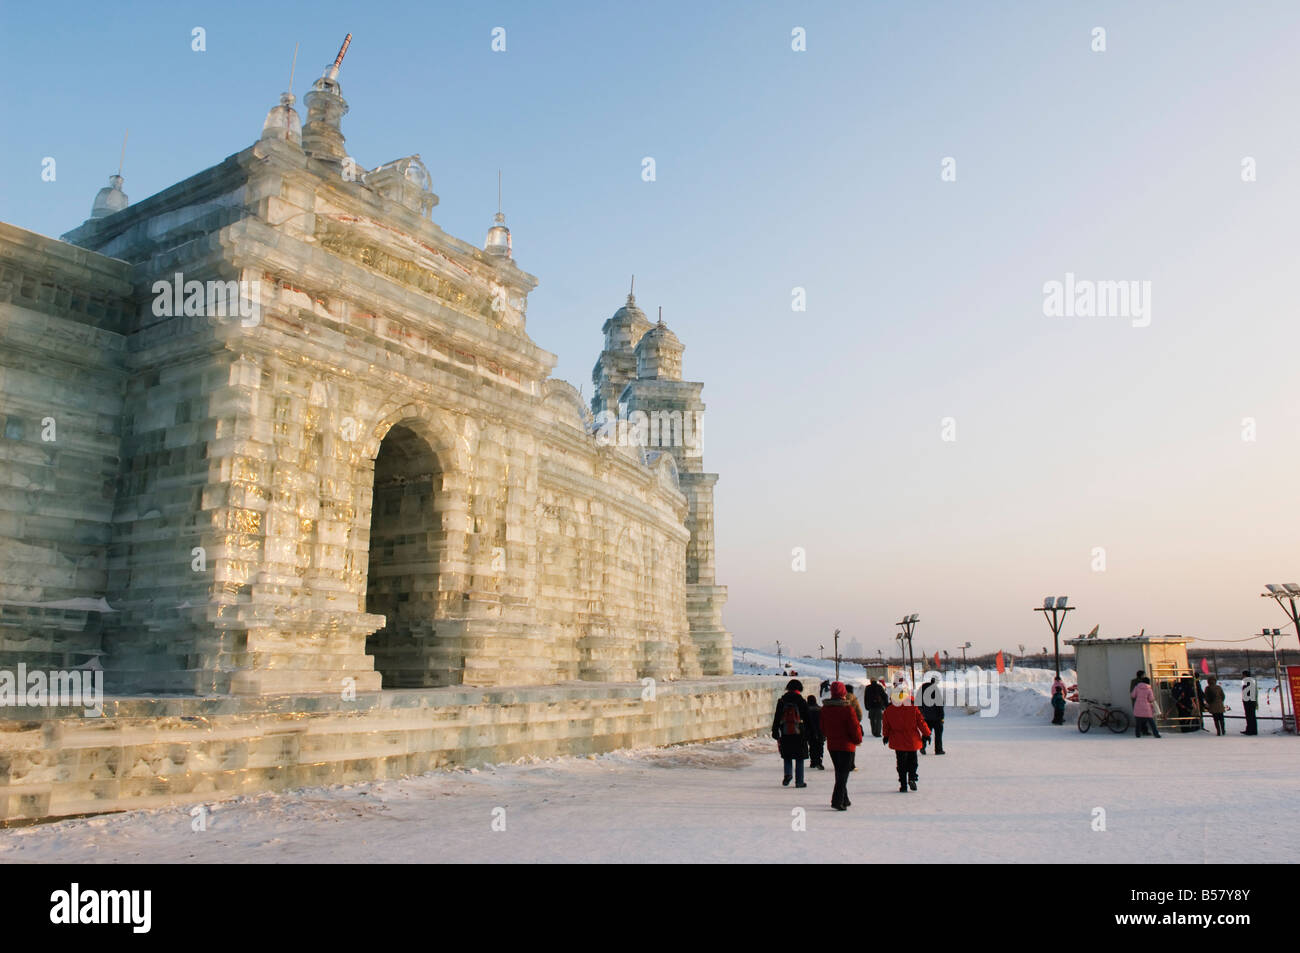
(843,733)
(903,728)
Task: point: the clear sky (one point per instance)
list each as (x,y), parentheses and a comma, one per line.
(820,169)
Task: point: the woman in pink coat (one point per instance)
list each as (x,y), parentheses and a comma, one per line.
(1144,707)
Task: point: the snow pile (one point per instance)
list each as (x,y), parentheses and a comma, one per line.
(811,671)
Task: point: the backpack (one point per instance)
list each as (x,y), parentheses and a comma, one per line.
(791,723)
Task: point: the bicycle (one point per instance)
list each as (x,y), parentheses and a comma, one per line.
(1104,716)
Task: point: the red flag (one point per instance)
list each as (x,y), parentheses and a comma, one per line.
(1205,666)
(1002,665)
(936,659)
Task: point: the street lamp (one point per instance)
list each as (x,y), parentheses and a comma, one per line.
(909,626)
(1274,636)
(778,657)
(1058,608)
(836,638)
(963,656)
(1290,592)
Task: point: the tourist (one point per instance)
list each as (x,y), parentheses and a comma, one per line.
(1214,704)
(1141,674)
(1058,706)
(877,700)
(843,731)
(932,712)
(1144,708)
(1250,702)
(790,729)
(815,737)
(853,701)
(903,728)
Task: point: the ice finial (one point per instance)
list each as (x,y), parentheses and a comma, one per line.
(322,137)
(282,121)
(631,297)
(659,353)
(111,198)
(498,236)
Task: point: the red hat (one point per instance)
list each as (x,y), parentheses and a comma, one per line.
(838,690)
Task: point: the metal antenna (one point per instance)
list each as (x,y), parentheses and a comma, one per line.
(333,71)
(293,67)
(122,158)
(632,290)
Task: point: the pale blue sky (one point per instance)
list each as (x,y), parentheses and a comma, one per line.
(820,169)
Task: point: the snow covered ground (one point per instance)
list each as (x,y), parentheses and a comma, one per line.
(1011,788)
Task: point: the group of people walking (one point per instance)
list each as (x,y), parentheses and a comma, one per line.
(803,728)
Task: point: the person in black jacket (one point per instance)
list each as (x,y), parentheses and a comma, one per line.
(876,699)
(932,711)
(1250,702)
(1185,700)
(816,740)
(790,729)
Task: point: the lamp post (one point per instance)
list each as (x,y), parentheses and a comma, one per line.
(909,626)
(1058,607)
(1290,592)
(1273,636)
(779,666)
(821,651)
(836,638)
(963,656)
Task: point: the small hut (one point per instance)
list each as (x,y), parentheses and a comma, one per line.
(1106,669)
(882,672)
